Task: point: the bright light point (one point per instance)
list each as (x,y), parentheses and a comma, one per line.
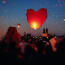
(34,25)
(18,25)
(64,19)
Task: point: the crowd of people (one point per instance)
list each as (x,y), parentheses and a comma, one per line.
(31,50)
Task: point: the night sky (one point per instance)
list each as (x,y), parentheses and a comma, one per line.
(13,12)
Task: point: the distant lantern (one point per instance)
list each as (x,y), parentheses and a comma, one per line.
(3,1)
(36,18)
(64,19)
(45,35)
(18,25)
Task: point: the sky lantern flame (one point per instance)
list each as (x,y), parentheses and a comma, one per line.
(34,25)
(36,18)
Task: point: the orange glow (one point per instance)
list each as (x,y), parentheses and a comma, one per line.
(34,25)
(18,25)
(53,44)
(45,35)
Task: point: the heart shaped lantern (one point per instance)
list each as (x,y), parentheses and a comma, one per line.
(36,18)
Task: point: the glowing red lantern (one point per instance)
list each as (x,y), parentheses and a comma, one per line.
(18,25)
(36,18)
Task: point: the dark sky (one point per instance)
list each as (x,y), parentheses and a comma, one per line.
(13,12)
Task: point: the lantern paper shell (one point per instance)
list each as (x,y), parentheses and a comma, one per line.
(36,18)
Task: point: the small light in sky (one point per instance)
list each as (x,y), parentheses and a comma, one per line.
(18,25)
(64,19)
(3,1)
